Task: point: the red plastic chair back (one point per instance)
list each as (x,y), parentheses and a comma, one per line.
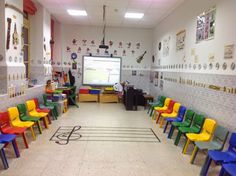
(36,103)
(4,120)
(171,106)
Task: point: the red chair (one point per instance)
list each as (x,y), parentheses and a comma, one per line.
(38,109)
(6,128)
(168,110)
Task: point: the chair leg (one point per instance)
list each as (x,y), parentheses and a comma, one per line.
(222,171)
(154,115)
(186,146)
(45,122)
(194,154)
(149,108)
(14,144)
(161,122)
(4,159)
(177,139)
(151,113)
(170,134)
(32,133)
(158,117)
(167,123)
(206,166)
(25,140)
(49,120)
(39,126)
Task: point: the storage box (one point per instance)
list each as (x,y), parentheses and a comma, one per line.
(84,91)
(94,91)
(88,97)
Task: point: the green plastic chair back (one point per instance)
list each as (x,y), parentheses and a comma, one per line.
(162,100)
(189,116)
(197,122)
(22,110)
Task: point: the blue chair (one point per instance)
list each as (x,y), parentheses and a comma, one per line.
(221,157)
(230,169)
(3,156)
(179,118)
(7,138)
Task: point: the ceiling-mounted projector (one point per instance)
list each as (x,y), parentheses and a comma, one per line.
(103,46)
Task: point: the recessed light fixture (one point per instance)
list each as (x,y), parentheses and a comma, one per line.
(134,15)
(77,12)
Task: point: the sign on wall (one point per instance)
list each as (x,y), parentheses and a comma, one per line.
(180,40)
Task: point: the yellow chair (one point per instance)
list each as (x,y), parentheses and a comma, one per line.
(14,117)
(170,115)
(31,107)
(166,104)
(205,135)
(65,106)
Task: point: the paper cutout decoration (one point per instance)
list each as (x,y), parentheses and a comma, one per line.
(129,45)
(115,52)
(15,36)
(120,45)
(159,46)
(87,50)
(138,45)
(98,51)
(92,43)
(65,63)
(232,66)
(79,50)
(229,52)
(217,66)
(84,42)
(133,52)
(58,63)
(74,42)
(166,47)
(73,56)
(180,40)
(124,53)
(110,43)
(68,49)
(224,66)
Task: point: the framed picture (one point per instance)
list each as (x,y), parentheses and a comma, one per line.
(74,65)
(229,52)
(180,40)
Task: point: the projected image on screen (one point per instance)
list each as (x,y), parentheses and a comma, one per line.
(101,70)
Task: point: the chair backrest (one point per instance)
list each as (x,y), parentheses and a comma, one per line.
(167,102)
(232,143)
(36,102)
(220,135)
(4,120)
(13,113)
(44,99)
(171,105)
(182,111)
(30,105)
(176,107)
(198,121)
(162,100)
(189,116)
(209,126)
(22,110)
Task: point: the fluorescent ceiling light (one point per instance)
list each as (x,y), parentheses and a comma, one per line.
(134,15)
(77,12)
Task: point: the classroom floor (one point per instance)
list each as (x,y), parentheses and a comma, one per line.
(91,157)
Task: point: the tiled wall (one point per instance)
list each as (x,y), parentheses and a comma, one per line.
(215,104)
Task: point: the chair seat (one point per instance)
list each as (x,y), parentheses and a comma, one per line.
(222,156)
(166,115)
(47,107)
(4,138)
(189,130)
(44,110)
(208,145)
(199,137)
(160,108)
(230,169)
(180,124)
(177,119)
(13,130)
(29,118)
(22,124)
(37,114)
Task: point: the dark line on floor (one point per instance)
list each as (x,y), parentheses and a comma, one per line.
(155,135)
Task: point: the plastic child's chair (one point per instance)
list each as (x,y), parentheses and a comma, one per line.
(186,123)
(179,117)
(221,157)
(6,127)
(217,143)
(158,103)
(46,109)
(205,135)
(24,117)
(173,114)
(230,169)
(168,110)
(16,122)
(7,138)
(50,104)
(164,107)
(194,128)
(32,112)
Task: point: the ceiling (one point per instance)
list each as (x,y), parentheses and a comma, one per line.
(154,11)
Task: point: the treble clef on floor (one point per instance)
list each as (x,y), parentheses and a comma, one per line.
(65,137)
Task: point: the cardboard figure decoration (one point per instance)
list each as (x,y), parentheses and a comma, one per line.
(74,42)
(15,37)
(8,32)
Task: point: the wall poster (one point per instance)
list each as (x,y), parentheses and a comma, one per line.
(180,40)
(229,52)
(166,46)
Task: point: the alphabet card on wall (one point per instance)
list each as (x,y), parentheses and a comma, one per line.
(229,52)
(180,40)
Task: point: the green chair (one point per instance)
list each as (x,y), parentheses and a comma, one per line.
(72,96)
(24,117)
(159,103)
(196,127)
(50,105)
(217,143)
(186,123)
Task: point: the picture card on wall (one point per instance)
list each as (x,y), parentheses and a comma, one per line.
(180,40)
(229,51)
